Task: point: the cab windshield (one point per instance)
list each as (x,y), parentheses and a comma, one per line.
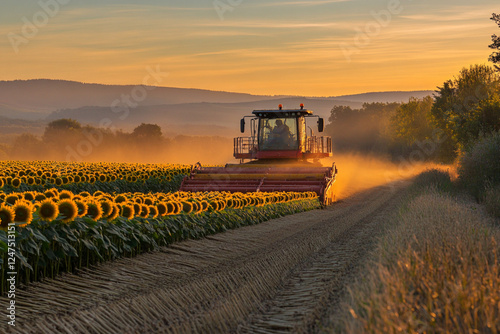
(278,134)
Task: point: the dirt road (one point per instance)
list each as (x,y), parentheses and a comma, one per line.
(280,276)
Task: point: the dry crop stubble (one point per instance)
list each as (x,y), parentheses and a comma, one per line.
(436,270)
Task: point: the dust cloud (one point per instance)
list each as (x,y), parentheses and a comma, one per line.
(357,172)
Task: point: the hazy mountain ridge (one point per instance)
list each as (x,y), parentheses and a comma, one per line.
(394,96)
(44,95)
(176,110)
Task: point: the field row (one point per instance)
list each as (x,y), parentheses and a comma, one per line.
(25,207)
(38,175)
(59,231)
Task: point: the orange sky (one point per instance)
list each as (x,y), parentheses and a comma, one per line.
(315,48)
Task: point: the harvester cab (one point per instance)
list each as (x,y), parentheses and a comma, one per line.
(282,135)
(279,149)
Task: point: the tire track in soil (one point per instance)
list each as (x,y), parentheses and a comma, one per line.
(274,277)
(312,289)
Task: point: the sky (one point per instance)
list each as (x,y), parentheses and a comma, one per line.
(272,47)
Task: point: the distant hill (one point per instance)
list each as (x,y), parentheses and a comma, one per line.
(385,96)
(177,110)
(31,99)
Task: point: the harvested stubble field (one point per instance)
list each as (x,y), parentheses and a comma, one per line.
(279,276)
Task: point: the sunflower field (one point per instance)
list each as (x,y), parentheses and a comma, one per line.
(57,230)
(77,177)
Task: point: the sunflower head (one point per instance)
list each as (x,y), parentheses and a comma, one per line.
(187,207)
(148,201)
(137,209)
(48,210)
(94,210)
(84,194)
(40,197)
(11,199)
(51,193)
(68,209)
(214,205)
(204,205)
(6,216)
(16,182)
(29,196)
(162,209)
(153,211)
(127,211)
(23,212)
(65,194)
(120,199)
(82,207)
(144,211)
(178,207)
(115,212)
(98,193)
(171,208)
(107,207)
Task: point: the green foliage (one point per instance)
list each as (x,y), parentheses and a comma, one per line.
(467,107)
(361,129)
(411,130)
(412,121)
(479,167)
(434,178)
(61,127)
(495,56)
(47,249)
(63,124)
(147,131)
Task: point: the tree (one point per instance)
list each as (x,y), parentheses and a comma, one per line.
(147,131)
(27,147)
(339,112)
(149,142)
(460,108)
(360,129)
(61,130)
(63,124)
(411,122)
(495,56)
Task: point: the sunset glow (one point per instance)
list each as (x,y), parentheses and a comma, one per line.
(316,48)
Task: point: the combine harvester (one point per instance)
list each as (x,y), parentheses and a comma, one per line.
(282,157)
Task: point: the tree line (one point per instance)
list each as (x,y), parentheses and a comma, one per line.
(440,127)
(69,140)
